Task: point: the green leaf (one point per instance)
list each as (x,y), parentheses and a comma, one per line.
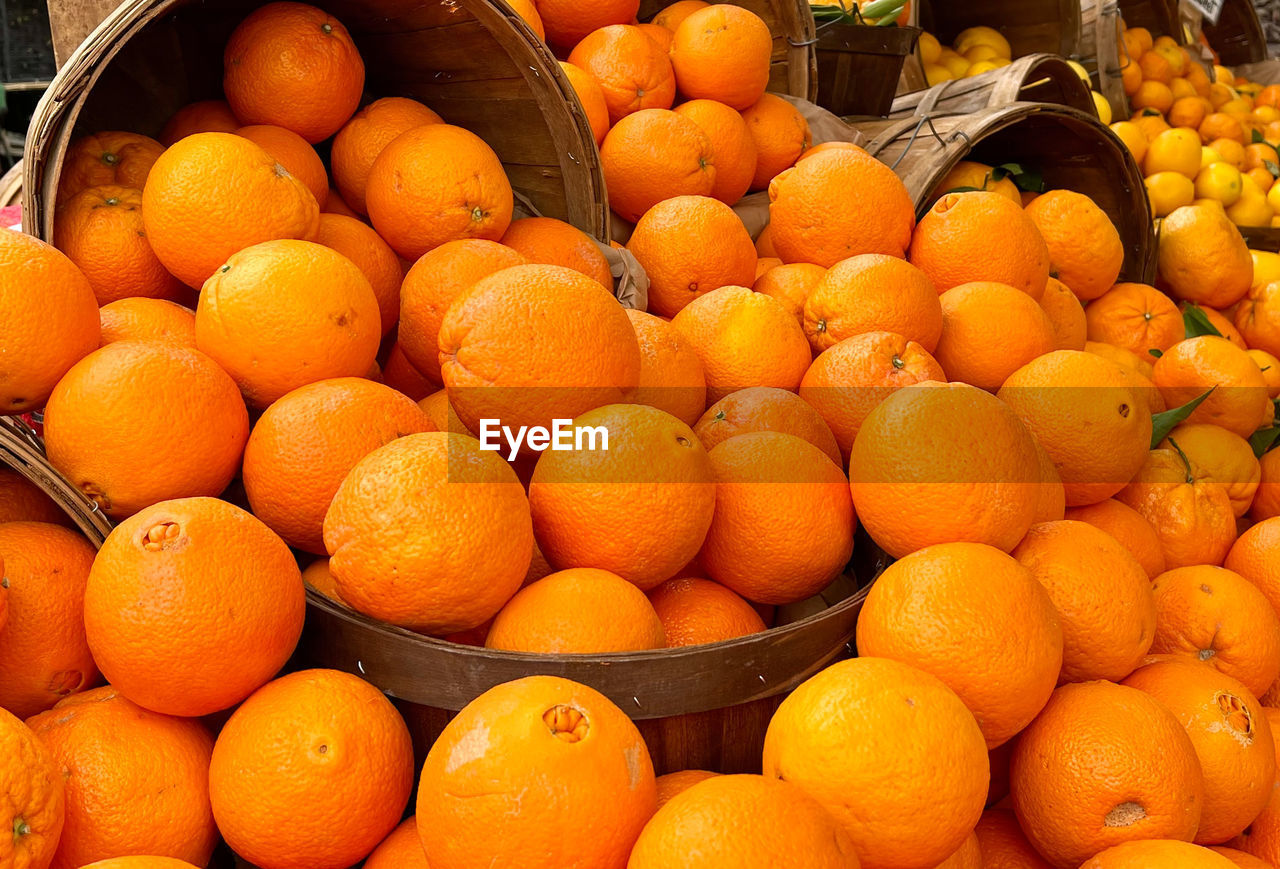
(961,190)
(1163,423)
(1258,137)
(1272,168)
(1264,440)
(1007,170)
(1196,323)
(1156,353)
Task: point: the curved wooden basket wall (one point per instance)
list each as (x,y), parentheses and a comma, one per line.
(1238,36)
(1040,78)
(1100,39)
(1072,150)
(22,450)
(1031,26)
(473,61)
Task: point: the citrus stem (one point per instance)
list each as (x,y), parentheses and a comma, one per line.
(1186,463)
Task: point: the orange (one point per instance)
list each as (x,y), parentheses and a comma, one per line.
(317,576)
(294,66)
(1155,67)
(1222,323)
(723,53)
(535,343)
(205,116)
(1189,111)
(695,611)
(739,820)
(733,150)
(1003,844)
(1150,121)
(1231,736)
(23,501)
(812,219)
(1131,79)
(294,153)
(671,377)
(1219,125)
(570,760)
(1253,556)
(334,204)
(306,754)
(689,246)
(195,221)
(1202,257)
(1270,367)
(1259,154)
(1231,151)
(673,784)
(591,97)
(1224,456)
(1131,362)
(48,320)
(435,184)
(1152,95)
(1258,317)
(554,242)
(141,863)
(402,849)
(1085,251)
(873,293)
(1066,315)
(765,408)
(783,523)
(1136,317)
(1074,401)
(871,724)
(179,425)
(1051,496)
(568,22)
(989,331)
(967,174)
(671,16)
(34,796)
(1128,527)
(142,319)
(1261,838)
(1157,854)
(952,244)
(1240,858)
(1266,500)
(791,284)
(137,782)
(1176,150)
(399,374)
(1192,367)
(1190,511)
(529,13)
(652,155)
(361,139)
(975,618)
(374,257)
(114,159)
(781,135)
(967,856)
(764,245)
(43,652)
(1104,764)
(943,464)
(631,69)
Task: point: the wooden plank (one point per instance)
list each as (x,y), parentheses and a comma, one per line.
(71,21)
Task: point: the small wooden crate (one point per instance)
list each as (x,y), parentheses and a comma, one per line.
(859,66)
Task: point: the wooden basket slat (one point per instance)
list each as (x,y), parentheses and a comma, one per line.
(1039,78)
(21,450)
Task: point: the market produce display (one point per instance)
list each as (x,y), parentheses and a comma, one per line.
(311,342)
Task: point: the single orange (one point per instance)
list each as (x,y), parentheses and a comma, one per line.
(591,96)
(1151,853)
(360,141)
(673,784)
(1066,315)
(631,69)
(723,53)
(1085,250)
(35,796)
(402,849)
(765,408)
(1128,527)
(1203,258)
(671,376)
(356,241)
(791,284)
(781,135)
(554,242)
(1003,844)
(294,153)
(23,501)
(733,149)
(205,116)
(952,244)
(1190,511)
(695,611)
(107,159)
(653,155)
(1187,370)
(568,22)
(1137,317)
(873,293)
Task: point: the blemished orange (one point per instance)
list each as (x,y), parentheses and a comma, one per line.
(979,621)
(1074,401)
(739,819)
(1157,854)
(873,293)
(1102,595)
(1266,500)
(937,463)
(35,796)
(1262,837)
(952,244)
(652,155)
(872,720)
(1066,316)
(307,753)
(295,66)
(167,401)
(1253,556)
(292,152)
(361,139)
(673,784)
(399,374)
(1101,765)
(630,68)
(989,331)
(733,150)
(1258,317)
(114,158)
(402,849)
(554,242)
(23,501)
(591,97)
(1224,456)
(744,339)
(694,610)
(1003,844)
(576,763)
(293,467)
(671,377)
(639,509)
(137,781)
(1241,859)
(142,319)
(356,241)
(812,219)
(723,53)
(1203,257)
(195,221)
(1085,250)
(568,22)
(1128,527)
(1137,317)
(1231,736)
(48,320)
(45,654)
(175,595)
(434,184)
(535,343)
(1190,368)
(791,284)
(205,116)
(1190,511)
(846,382)
(690,246)
(765,408)
(781,135)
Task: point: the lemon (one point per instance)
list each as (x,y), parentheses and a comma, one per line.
(1273,199)
(1080,70)
(979,176)
(1252,208)
(1133,137)
(1176,150)
(936,74)
(983,36)
(1210,203)
(930,48)
(1222,182)
(1104,108)
(955,62)
(1169,191)
(1173,54)
(1266,267)
(980,53)
(1222,75)
(980,67)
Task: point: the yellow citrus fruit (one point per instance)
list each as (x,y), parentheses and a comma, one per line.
(936,74)
(1220,181)
(930,48)
(1103,107)
(1176,150)
(983,36)
(1132,137)
(1252,208)
(1209,156)
(1169,191)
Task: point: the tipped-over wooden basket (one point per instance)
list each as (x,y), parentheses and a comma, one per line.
(474,61)
(1036,78)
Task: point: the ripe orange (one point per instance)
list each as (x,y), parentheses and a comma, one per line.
(723,53)
(141,863)
(34,796)
(1157,853)
(1085,250)
(48,320)
(318,576)
(1190,511)
(952,244)
(568,22)
(978,620)
(1241,859)
(361,139)
(434,184)
(205,116)
(309,753)
(1136,317)
(1003,844)
(1253,556)
(1270,367)
(137,782)
(1192,367)
(402,849)
(179,425)
(695,610)
(294,153)
(115,159)
(1258,317)
(554,242)
(672,16)
(195,221)
(880,724)
(873,293)
(23,501)
(1220,125)
(334,204)
(591,96)
(673,784)
(400,375)
(792,284)
(781,134)
(1224,456)
(1128,527)
(989,331)
(374,257)
(1222,323)
(295,66)
(733,150)
(812,219)
(529,13)
(1203,258)
(143,319)
(1051,495)
(572,761)
(652,155)
(1066,316)
(43,652)
(671,377)
(1266,500)
(630,68)
(783,523)
(689,246)
(765,408)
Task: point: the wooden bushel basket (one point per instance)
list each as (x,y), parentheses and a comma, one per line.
(22,450)
(1100,30)
(1238,37)
(1036,78)
(859,66)
(1071,149)
(473,61)
(1031,26)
